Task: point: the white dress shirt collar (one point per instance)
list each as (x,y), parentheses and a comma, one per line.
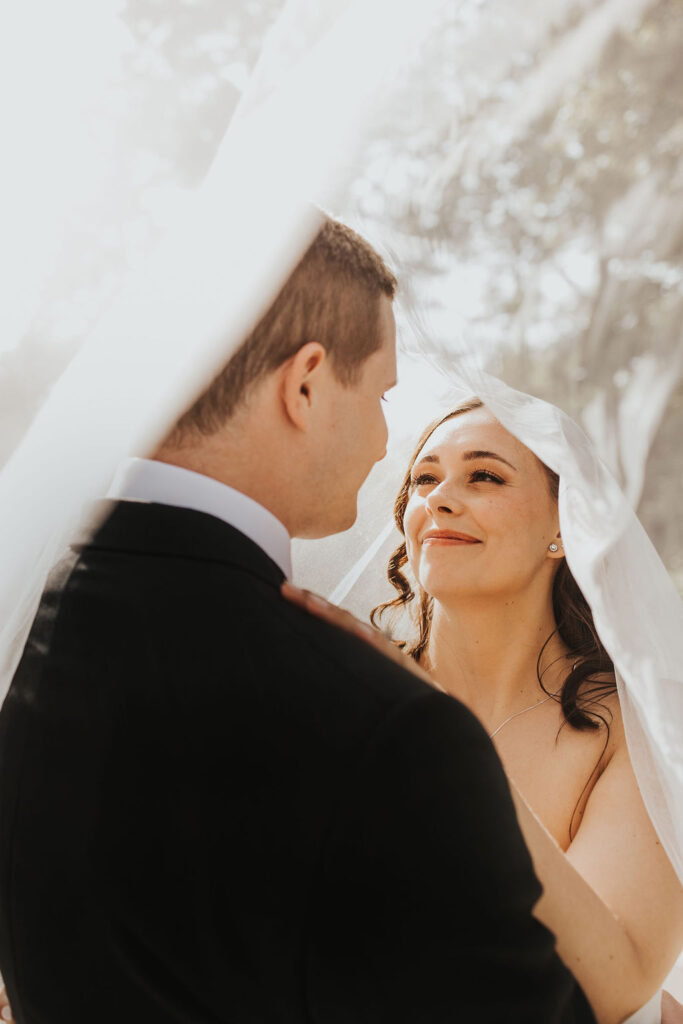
(148,480)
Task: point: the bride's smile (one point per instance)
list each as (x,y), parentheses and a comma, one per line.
(448,537)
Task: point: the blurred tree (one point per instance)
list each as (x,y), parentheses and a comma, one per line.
(189,66)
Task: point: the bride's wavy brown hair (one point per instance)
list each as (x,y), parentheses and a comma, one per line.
(591,676)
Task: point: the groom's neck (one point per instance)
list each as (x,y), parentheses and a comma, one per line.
(243,458)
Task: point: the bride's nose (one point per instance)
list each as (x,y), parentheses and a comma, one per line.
(443,501)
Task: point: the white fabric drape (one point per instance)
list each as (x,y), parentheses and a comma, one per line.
(183,314)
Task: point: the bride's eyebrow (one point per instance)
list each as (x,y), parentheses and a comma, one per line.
(426,458)
(469,456)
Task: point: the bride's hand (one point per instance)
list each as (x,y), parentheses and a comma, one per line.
(318,606)
(5,1009)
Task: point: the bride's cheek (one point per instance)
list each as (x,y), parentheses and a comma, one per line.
(410,546)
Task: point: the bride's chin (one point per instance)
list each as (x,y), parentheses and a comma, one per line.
(444,589)
(450,588)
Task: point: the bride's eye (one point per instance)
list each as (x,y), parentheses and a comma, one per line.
(422,478)
(486,475)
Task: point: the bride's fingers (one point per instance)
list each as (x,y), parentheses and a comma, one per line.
(323,609)
(317,605)
(5,1010)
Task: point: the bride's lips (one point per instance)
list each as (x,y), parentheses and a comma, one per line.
(454,537)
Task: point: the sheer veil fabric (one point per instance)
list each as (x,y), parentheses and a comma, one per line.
(320,82)
(180,317)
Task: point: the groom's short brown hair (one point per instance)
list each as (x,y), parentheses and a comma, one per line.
(331,296)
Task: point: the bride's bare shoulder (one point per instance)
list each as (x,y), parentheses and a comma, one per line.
(615,820)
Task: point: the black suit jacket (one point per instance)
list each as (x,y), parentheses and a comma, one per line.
(215,808)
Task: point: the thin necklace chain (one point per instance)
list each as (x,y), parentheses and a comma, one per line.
(518,713)
(530,708)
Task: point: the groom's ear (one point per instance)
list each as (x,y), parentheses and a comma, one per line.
(301,377)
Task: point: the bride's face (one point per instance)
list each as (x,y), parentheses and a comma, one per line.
(480,515)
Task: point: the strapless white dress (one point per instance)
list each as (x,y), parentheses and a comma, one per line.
(649,1014)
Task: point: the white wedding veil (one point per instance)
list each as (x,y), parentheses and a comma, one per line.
(317,94)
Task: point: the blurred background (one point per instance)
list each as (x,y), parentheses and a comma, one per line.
(524,179)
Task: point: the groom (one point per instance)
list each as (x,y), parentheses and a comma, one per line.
(214,808)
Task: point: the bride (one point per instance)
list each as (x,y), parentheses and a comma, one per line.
(503,626)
